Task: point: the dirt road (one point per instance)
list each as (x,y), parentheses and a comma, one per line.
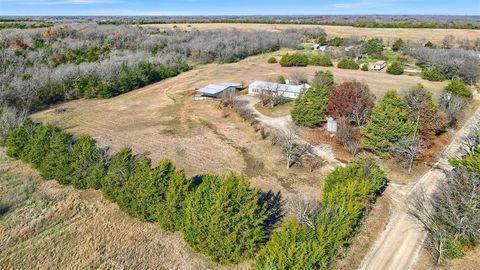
(399,245)
(282,124)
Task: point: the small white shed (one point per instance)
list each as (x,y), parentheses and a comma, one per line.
(331,125)
(379,65)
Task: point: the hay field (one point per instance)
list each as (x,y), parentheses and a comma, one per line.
(387,34)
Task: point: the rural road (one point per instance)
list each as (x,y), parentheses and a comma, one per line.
(282,124)
(398,246)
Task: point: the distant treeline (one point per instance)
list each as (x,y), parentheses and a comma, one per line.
(19,25)
(361,23)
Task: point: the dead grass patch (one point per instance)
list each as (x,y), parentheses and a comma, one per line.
(277,111)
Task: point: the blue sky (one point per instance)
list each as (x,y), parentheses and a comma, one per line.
(238,7)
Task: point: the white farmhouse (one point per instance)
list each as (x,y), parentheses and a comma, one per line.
(269,88)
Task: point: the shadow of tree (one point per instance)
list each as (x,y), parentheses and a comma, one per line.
(275,212)
(4,208)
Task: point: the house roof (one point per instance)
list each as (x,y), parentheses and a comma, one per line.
(279,87)
(217,88)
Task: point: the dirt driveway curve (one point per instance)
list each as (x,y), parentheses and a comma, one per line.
(282,124)
(400,243)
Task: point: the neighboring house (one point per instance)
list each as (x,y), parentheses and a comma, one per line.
(323,48)
(214,90)
(358,57)
(269,88)
(349,48)
(379,65)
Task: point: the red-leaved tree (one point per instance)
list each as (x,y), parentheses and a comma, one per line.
(351,100)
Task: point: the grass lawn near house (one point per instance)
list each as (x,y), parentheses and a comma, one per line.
(277,111)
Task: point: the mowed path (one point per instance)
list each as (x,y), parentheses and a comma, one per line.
(399,245)
(163,120)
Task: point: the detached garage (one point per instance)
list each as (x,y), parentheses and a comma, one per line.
(214,90)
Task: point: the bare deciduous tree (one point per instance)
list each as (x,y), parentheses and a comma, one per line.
(407,149)
(10,118)
(452,106)
(451,213)
(292,147)
(299,77)
(306,210)
(347,136)
(227,98)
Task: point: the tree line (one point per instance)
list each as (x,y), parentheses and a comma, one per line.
(219,215)
(451,217)
(41,66)
(377,22)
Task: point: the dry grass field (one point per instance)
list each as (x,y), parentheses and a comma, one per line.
(387,34)
(47,226)
(199,136)
(78,229)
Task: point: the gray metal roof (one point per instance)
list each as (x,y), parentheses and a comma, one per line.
(217,88)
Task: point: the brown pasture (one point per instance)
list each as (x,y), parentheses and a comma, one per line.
(387,34)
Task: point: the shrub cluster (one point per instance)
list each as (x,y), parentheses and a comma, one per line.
(130,78)
(458,88)
(348,63)
(321,60)
(347,194)
(335,41)
(294,60)
(398,45)
(78,56)
(272,60)
(374,47)
(432,74)
(395,69)
(219,215)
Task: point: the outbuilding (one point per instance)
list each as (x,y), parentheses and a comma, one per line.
(270,88)
(379,65)
(214,90)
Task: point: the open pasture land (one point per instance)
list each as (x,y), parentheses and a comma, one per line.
(48,226)
(200,136)
(387,34)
